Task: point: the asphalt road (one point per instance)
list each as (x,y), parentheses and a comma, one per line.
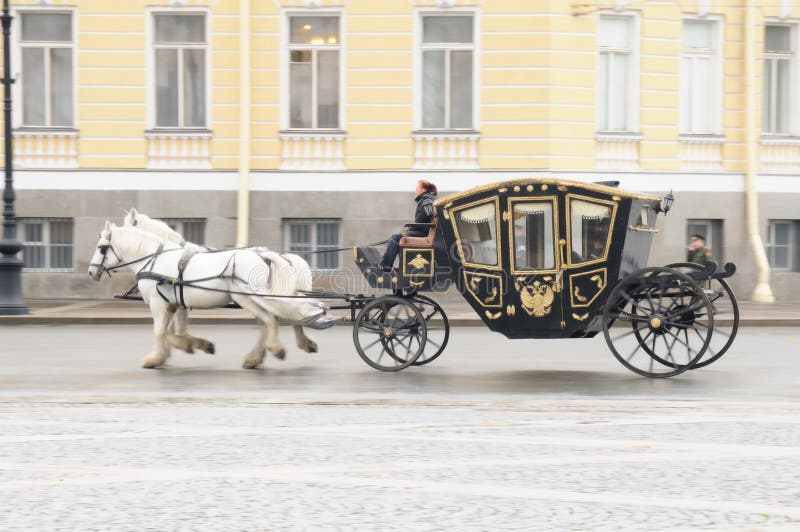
(78,362)
(495,435)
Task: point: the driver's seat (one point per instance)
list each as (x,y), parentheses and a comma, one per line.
(421,241)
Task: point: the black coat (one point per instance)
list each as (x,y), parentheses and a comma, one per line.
(424,212)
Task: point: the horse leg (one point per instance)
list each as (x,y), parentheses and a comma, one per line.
(305,342)
(184,341)
(162,314)
(256,356)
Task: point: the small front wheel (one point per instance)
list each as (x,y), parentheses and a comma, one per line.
(390,333)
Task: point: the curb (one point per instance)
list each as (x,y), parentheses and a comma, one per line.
(246,320)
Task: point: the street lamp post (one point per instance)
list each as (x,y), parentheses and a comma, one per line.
(11,301)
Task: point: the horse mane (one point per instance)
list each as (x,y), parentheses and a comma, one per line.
(136,242)
(159,228)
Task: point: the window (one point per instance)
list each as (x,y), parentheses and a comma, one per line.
(47,83)
(313,240)
(192,229)
(46,243)
(534,245)
(477,234)
(616,74)
(778,59)
(699,70)
(314,55)
(589,227)
(447,71)
(179,46)
(783,252)
(711,230)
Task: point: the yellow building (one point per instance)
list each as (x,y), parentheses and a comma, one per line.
(302,124)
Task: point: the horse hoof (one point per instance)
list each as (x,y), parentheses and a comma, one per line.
(210,349)
(250,365)
(150,364)
(313,348)
(280,354)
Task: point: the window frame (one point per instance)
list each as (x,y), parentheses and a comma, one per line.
(285,75)
(150,66)
(16,57)
(792,58)
(633,20)
(420,47)
(715,85)
(180,227)
(770,246)
(313,222)
(453,213)
(613,205)
(512,239)
(46,243)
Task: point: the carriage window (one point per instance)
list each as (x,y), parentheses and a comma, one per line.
(589,226)
(534,248)
(477,231)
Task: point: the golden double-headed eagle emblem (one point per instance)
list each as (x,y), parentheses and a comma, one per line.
(537,298)
(418,262)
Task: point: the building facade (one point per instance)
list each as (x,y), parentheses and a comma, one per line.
(304,124)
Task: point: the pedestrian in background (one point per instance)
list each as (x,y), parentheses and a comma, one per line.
(698,252)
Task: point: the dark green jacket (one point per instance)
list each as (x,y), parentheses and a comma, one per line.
(700,255)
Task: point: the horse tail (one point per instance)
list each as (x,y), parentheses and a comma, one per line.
(283,276)
(304,279)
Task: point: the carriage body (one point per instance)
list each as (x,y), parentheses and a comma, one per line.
(536,258)
(550,258)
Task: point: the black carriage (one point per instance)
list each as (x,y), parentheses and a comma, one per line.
(548,258)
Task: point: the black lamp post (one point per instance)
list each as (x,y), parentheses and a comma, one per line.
(11,301)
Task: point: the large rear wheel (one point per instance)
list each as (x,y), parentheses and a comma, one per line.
(390,333)
(668,318)
(725,309)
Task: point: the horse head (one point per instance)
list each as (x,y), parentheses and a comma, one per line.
(104,256)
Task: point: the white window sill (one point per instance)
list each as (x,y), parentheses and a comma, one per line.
(702,137)
(312,132)
(783,140)
(177,132)
(445,132)
(618,136)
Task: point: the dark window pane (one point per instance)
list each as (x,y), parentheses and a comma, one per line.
(437,29)
(461,89)
(46,27)
(194,231)
(34,232)
(33,256)
(328,89)
(61,232)
(167,88)
(194,88)
(33,90)
(61,256)
(781,234)
(328,234)
(300,95)
(180,28)
(433,89)
(314,30)
(61,86)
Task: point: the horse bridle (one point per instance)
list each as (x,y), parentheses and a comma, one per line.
(104,249)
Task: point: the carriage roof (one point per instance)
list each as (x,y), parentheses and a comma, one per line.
(575,185)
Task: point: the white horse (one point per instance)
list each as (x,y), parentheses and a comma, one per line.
(293,270)
(239,276)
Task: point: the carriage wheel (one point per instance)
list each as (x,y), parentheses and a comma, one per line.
(438,329)
(390,333)
(725,309)
(670,318)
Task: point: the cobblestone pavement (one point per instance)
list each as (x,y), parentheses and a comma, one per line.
(327,451)
(560,465)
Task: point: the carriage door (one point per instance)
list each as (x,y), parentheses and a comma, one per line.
(477,229)
(533,228)
(586,244)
